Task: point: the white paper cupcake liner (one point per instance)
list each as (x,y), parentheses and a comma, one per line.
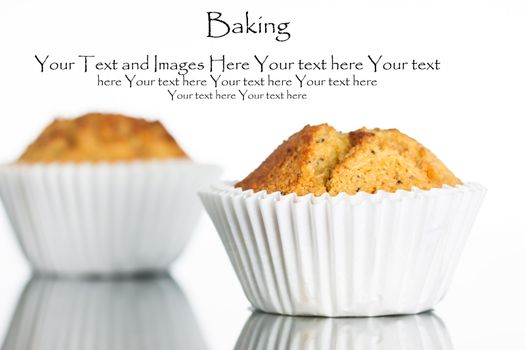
(360,255)
(418,332)
(73,314)
(107,218)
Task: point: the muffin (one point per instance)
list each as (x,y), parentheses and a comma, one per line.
(103,194)
(365,223)
(319,159)
(97,137)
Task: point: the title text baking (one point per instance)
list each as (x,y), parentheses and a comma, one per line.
(219,27)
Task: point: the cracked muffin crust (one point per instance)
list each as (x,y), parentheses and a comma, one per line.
(319,159)
(98,137)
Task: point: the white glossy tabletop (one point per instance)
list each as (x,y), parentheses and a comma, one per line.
(201,306)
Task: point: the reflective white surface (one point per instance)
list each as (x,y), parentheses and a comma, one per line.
(153,312)
(483,309)
(413,332)
(143,313)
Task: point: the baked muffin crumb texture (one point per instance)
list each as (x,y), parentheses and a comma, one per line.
(319,159)
(98,137)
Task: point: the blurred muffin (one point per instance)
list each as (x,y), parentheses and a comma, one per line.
(319,159)
(99,137)
(109,194)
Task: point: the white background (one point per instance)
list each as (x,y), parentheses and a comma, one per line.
(470,114)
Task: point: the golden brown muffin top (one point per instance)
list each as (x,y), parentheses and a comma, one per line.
(98,137)
(319,159)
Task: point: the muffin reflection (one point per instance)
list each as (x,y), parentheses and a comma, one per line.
(147,313)
(415,332)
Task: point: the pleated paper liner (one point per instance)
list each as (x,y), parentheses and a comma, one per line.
(107,218)
(344,255)
(122,314)
(415,332)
